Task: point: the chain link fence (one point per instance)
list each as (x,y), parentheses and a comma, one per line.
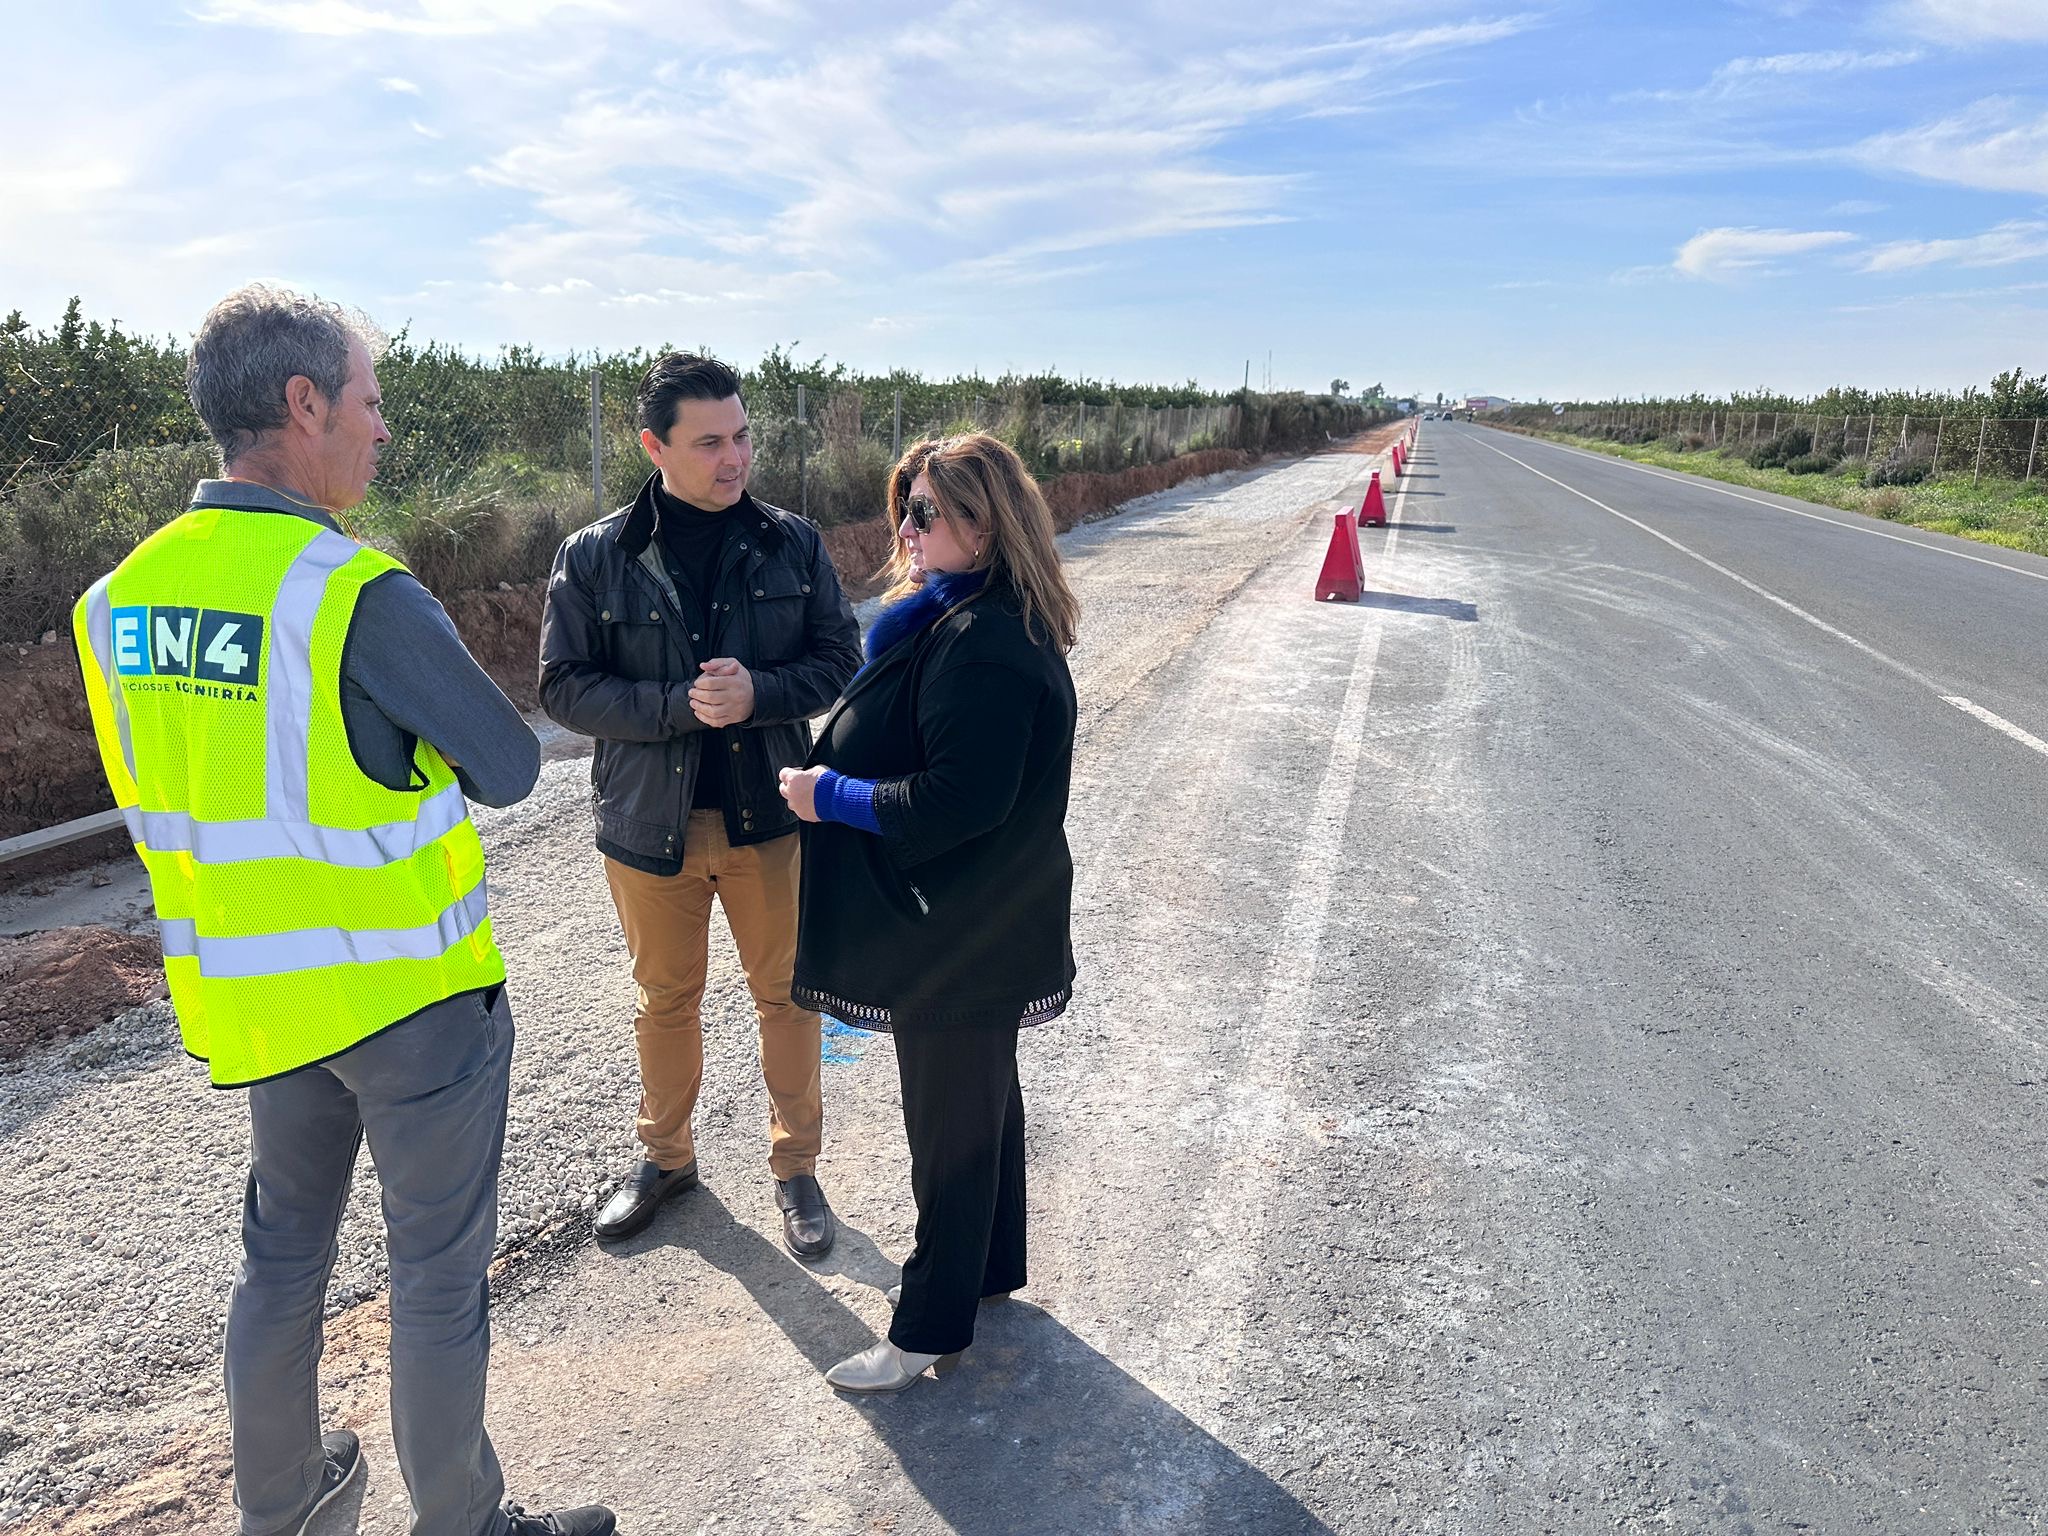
(492,462)
(1913,447)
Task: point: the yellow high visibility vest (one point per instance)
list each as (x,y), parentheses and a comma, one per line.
(303,906)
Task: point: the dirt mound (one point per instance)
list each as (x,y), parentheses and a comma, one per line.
(52,769)
(502,630)
(69,981)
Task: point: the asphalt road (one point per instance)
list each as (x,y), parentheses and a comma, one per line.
(1559,1048)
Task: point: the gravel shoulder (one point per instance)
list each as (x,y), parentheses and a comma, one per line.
(125,1173)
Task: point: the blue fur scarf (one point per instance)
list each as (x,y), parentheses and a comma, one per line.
(917,612)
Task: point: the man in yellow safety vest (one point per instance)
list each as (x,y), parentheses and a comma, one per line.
(292,729)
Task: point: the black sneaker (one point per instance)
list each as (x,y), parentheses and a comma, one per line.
(589,1520)
(341,1478)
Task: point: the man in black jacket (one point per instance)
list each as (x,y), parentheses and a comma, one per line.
(693,634)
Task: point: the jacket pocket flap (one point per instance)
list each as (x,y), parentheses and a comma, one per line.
(624,605)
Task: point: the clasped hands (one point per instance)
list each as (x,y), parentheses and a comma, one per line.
(723,693)
(799,787)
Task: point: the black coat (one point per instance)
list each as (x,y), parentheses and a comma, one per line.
(958,913)
(617,659)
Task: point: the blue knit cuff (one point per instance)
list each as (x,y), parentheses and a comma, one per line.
(849,801)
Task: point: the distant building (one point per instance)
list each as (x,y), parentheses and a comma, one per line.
(1486,403)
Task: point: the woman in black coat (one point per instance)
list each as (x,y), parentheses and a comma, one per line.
(936,878)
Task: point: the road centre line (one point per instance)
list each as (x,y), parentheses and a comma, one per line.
(1742,581)
(1996,722)
(1705,484)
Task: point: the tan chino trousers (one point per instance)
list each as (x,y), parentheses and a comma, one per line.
(667,923)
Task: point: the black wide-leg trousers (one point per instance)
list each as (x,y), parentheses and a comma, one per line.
(963,1113)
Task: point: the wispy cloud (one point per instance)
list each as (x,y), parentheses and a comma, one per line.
(1744,76)
(2006,296)
(1973,21)
(399,86)
(1997,145)
(895,149)
(1836,61)
(2015,240)
(1719,255)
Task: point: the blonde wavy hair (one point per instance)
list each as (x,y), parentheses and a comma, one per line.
(979,481)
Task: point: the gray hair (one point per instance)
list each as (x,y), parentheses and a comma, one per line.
(252,343)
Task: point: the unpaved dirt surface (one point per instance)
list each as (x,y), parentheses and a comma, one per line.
(138,1267)
(66,981)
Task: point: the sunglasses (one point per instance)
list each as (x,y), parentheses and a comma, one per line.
(922,512)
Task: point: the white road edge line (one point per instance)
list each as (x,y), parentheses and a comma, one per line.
(1996,722)
(1705,484)
(1298,937)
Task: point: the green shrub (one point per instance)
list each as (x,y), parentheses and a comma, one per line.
(58,537)
(1902,464)
(1776,452)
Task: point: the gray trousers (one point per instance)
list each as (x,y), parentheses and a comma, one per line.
(430,1096)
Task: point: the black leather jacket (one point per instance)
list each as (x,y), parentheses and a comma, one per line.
(617,658)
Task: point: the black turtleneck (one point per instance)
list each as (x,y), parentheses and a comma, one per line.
(692,541)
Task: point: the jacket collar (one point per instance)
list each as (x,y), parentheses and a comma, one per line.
(248,496)
(637,531)
(997,588)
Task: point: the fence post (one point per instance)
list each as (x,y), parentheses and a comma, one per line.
(803,463)
(1905,426)
(596,445)
(1940,426)
(2031,447)
(1983,426)
(896,435)
(1870,434)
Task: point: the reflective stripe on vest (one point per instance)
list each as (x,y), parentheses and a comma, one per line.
(274,954)
(302,906)
(224,842)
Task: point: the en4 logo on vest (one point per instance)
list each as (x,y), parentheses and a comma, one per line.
(209,645)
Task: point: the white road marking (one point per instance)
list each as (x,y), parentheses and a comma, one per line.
(1742,581)
(1998,723)
(1705,484)
(1296,947)
(1994,721)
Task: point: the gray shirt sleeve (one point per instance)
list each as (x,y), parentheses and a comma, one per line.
(406,676)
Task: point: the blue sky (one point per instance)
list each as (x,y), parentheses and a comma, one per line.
(1569,199)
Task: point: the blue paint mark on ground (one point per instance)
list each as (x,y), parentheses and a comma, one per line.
(843,1044)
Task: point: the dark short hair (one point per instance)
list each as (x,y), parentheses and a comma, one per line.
(252,343)
(678,376)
